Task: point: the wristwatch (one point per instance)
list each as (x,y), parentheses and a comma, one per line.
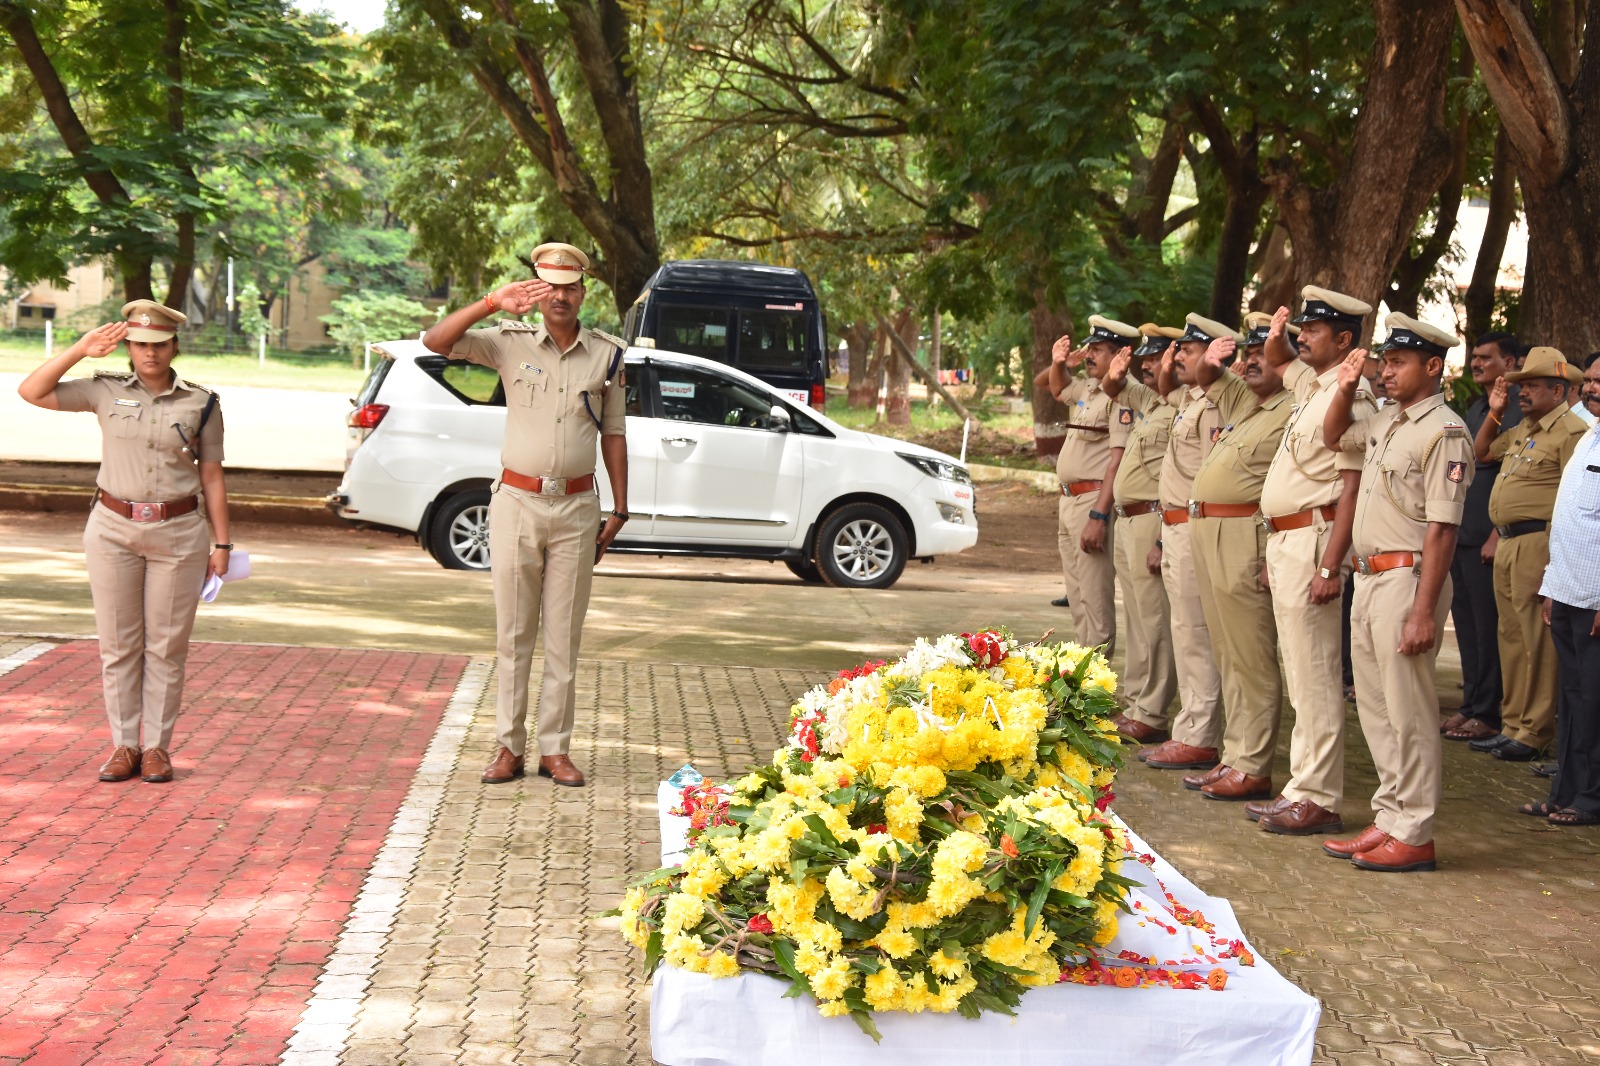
(1325,574)
(224,547)
(1099,516)
(624,515)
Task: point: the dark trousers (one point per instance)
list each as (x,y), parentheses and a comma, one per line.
(1347,667)
(1472,608)
(1577,781)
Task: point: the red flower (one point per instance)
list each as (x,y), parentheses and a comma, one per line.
(1104,801)
(1217,979)
(1008,847)
(986,647)
(877,827)
(759,923)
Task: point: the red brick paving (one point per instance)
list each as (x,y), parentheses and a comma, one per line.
(187,922)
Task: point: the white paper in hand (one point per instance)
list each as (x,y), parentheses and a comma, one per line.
(238,569)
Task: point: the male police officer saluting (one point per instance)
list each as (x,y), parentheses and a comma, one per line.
(563,385)
(146,543)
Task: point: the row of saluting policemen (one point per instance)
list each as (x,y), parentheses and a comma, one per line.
(1245,476)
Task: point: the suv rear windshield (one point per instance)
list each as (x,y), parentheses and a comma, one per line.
(772,340)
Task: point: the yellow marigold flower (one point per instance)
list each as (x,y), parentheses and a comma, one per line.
(721,964)
(1008,948)
(833,1008)
(809,958)
(1106,915)
(682,914)
(883,989)
(896,941)
(947,966)
(684,952)
(831,982)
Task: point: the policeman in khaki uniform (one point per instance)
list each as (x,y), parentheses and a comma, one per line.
(1229,549)
(1308,506)
(564,387)
(1197,729)
(1524,497)
(1151,677)
(1413,483)
(1087,469)
(147,544)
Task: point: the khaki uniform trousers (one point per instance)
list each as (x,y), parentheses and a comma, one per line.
(1228,556)
(1090,577)
(1309,639)
(1527,652)
(145,578)
(1398,702)
(541,551)
(1199,718)
(1150,678)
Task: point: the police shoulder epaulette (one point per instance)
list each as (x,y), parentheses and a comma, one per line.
(609,339)
(511,325)
(1451,428)
(195,385)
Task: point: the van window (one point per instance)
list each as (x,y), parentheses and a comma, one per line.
(772,340)
(699,331)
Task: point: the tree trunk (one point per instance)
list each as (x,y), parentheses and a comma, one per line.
(1486,269)
(1349,236)
(1548,97)
(859,337)
(1276,288)
(865,393)
(897,406)
(1240,219)
(1049,417)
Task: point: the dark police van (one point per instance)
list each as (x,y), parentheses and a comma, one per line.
(765,320)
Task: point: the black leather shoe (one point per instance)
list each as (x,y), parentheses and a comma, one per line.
(1514,751)
(1489,743)
(1545,769)
(1061,602)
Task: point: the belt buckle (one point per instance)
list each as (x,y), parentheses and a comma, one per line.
(144,512)
(1504,531)
(1121,511)
(552,486)
(1363,566)
(1266,523)
(1194,509)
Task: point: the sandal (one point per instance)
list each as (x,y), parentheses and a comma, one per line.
(1474,729)
(1455,721)
(1573,816)
(1541,809)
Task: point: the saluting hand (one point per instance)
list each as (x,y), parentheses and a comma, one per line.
(102,340)
(1499,396)
(1350,371)
(520,297)
(1061,349)
(1117,370)
(1280,322)
(1217,351)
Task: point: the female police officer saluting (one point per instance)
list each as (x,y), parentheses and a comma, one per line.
(146,543)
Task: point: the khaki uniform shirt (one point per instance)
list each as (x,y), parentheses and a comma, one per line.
(1086,452)
(142,457)
(549,431)
(1533,456)
(1150,417)
(1305,473)
(1237,466)
(1418,465)
(1194,432)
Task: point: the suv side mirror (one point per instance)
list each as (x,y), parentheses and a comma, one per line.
(778,419)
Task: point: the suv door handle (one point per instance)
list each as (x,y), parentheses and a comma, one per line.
(679,440)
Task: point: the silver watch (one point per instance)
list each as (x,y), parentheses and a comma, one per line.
(1326,574)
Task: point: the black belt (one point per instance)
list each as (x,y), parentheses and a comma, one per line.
(1517,529)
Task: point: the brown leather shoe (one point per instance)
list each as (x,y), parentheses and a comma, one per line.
(506,767)
(1394,856)
(1302,818)
(1366,840)
(155,766)
(123,764)
(1144,734)
(1195,782)
(559,769)
(1255,809)
(1237,785)
(1174,755)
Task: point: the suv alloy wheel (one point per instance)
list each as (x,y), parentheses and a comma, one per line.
(459,534)
(861,546)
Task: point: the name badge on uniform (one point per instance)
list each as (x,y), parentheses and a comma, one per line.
(1455,471)
(530,368)
(126,403)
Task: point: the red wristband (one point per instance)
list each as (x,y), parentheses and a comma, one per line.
(488,301)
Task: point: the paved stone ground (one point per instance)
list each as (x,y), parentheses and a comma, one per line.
(188,922)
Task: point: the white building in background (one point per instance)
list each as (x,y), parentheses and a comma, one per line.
(88,285)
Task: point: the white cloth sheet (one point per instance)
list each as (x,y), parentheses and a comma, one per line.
(1260,1018)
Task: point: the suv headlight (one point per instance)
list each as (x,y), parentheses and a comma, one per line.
(942,469)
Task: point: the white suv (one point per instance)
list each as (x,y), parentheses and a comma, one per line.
(719,464)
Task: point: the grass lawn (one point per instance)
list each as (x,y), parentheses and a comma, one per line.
(997,438)
(283,370)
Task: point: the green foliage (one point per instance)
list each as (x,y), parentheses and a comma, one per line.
(367,318)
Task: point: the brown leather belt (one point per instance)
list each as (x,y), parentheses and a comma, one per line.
(137,511)
(1298,520)
(1174,516)
(1377,564)
(1078,488)
(1222,510)
(1134,510)
(547,486)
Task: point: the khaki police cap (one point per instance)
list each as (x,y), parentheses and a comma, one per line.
(1205,329)
(1257,326)
(152,322)
(1407,332)
(1546,362)
(1156,339)
(1325,305)
(1111,331)
(559,264)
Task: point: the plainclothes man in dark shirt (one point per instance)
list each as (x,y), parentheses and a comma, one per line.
(1472,605)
